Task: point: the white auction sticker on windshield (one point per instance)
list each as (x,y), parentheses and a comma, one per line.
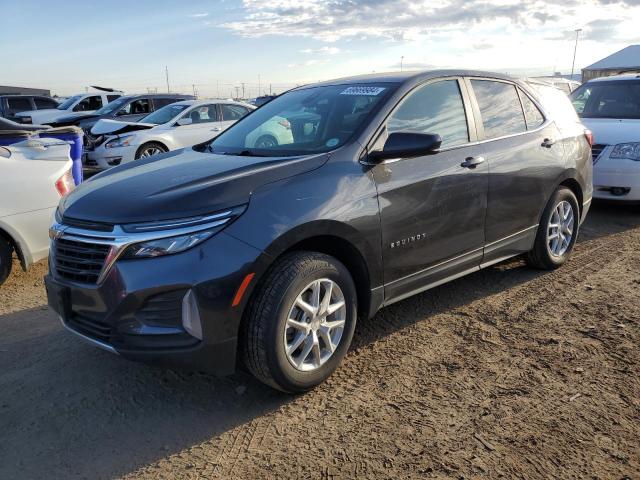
(363,90)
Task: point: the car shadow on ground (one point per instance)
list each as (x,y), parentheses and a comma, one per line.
(607,218)
(70,410)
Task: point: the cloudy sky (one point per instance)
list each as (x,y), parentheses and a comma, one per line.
(220,44)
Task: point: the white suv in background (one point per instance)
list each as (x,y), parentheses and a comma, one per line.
(86,103)
(179,125)
(610,108)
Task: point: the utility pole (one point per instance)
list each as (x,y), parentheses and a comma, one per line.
(166,71)
(195,94)
(270,90)
(217,88)
(243,90)
(401,62)
(237,92)
(575,49)
(259,87)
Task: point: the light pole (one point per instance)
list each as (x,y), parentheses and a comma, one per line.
(575,49)
(401,62)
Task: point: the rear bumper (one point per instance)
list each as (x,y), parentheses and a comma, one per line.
(138,311)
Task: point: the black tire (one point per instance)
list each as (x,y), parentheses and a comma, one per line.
(150,146)
(541,256)
(266,141)
(262,339)
(6,260)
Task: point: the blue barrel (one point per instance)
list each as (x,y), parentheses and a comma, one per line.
(9,137)
(73,136)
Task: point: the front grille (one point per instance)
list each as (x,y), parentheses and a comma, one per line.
(92,141)
(91,328)
(596,150)
(79,261)
(100,227)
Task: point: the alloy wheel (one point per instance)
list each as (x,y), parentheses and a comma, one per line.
(149,152)
(560,229)
(315,324)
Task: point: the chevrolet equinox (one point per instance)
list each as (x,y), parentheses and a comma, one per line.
(264,245)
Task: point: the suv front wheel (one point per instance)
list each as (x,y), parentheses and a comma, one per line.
(300,324)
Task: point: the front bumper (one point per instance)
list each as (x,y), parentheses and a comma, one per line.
(137,310)
(104,158)
(616,179)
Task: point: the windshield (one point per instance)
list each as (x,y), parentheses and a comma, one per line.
(112,106)
(616,99)
(306,121)
(165,114)
(68,102)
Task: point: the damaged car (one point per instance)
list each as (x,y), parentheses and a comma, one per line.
(178,125)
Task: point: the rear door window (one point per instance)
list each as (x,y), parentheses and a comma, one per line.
(435,108)
(232,112)
(164,101)
(42,103)
(499,107)
(111,98)
(532,113)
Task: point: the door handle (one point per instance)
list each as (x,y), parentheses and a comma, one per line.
(216,129)
(472,162)
(548,142)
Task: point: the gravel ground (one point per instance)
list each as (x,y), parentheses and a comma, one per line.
(509,373)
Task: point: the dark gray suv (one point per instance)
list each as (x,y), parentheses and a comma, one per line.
(370,190)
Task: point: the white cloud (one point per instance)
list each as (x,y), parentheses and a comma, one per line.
(321,51)
(198,15)
(410,20)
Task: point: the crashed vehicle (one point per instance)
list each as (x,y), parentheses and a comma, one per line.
(178,125)
(34,175)
(85,102)
(129,108)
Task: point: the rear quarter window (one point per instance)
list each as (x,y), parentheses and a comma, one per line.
(556,105)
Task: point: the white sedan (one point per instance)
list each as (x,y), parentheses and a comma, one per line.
(610,108)
(178,125)
(34,175)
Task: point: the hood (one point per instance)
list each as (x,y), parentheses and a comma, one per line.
(611,131)
(179,184)
(74,118)
(114,127)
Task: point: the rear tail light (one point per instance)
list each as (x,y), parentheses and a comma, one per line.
(65,183)
(589,136)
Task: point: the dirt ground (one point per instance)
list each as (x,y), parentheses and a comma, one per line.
(507,373)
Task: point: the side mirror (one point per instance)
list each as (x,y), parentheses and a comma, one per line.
(406,145)
(120,113)
(185,121)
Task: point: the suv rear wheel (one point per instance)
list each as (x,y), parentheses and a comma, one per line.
(300,323)
(557,232)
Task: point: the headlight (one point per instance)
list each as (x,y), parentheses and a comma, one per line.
(175,236)
(630,151)
(120,142)
(166,246)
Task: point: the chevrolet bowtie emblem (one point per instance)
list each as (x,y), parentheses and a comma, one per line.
(56,231)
